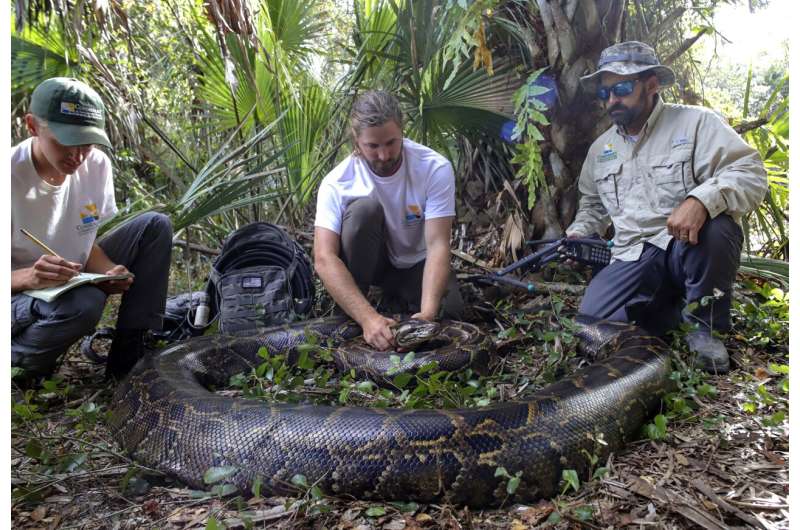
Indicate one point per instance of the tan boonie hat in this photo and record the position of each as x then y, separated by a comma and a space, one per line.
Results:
627, 58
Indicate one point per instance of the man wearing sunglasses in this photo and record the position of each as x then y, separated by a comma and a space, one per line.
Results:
674, 181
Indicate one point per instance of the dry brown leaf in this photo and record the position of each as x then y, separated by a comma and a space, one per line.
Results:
709, 505
513, 235
761, 373
39, 513
774, 458
55, 523
516, 524
350, 514
535, 514
151, 507
411, 523
624, 519
61, 499
62, 489
395, 524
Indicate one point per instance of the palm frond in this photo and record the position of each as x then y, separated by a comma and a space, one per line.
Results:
295, 27
769, 269
471, 98
228, 175
37, 55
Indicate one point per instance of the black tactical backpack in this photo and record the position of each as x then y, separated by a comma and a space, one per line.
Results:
262, 277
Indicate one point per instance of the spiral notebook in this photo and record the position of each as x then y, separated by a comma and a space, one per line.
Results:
49, 294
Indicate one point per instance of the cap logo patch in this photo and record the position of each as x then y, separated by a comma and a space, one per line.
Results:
82, 111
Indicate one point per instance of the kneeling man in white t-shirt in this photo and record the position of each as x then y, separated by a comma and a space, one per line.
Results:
384, 217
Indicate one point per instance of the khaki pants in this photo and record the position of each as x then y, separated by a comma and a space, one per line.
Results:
363, 250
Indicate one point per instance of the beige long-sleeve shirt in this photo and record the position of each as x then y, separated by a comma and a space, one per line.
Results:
682, 151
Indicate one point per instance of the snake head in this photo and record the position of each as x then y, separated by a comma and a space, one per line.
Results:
410, 333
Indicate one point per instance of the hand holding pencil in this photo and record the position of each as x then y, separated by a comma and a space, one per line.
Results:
50, 269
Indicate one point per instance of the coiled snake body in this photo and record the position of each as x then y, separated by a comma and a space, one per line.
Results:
166, 419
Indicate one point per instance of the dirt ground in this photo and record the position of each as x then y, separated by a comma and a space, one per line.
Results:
723, 465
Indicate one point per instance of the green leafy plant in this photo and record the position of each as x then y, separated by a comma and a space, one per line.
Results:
513, 480
689, 382
26, 409
770, 400
584, 513
529, 111
762, 320
657, 430
213, 524
217, 477
86, 416
593, 458
311, 501
469, 35
768, 224
375, 511
569, 479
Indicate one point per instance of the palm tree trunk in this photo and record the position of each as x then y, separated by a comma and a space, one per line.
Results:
576, 32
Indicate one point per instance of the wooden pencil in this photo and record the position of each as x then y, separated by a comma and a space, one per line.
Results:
40, 243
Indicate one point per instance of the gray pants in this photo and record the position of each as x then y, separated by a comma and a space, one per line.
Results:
363, 250
654, 290
42, 331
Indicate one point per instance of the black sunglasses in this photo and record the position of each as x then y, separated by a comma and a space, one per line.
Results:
621, 89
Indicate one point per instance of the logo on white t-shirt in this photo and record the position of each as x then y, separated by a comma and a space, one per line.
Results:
89, 218
413, 213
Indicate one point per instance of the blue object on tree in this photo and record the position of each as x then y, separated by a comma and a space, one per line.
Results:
507, 131
547, 98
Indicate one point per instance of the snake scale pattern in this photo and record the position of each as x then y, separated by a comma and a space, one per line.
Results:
167, 419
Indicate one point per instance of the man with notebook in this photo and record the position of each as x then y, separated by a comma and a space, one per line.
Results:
61, 190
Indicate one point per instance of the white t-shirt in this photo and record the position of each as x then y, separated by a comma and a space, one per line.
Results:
64, 217
423, 188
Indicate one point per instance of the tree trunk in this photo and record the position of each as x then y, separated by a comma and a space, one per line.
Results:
577, 31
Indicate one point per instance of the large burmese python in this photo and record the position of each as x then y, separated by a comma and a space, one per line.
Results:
166, 418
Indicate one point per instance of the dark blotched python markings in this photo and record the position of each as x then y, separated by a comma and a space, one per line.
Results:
166, 419
455, 345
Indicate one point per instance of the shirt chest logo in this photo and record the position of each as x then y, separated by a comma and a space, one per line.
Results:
89, 213
413, 213
608, 153
677, 142
89, 217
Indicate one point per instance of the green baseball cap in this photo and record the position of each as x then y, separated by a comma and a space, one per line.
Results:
73, 111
